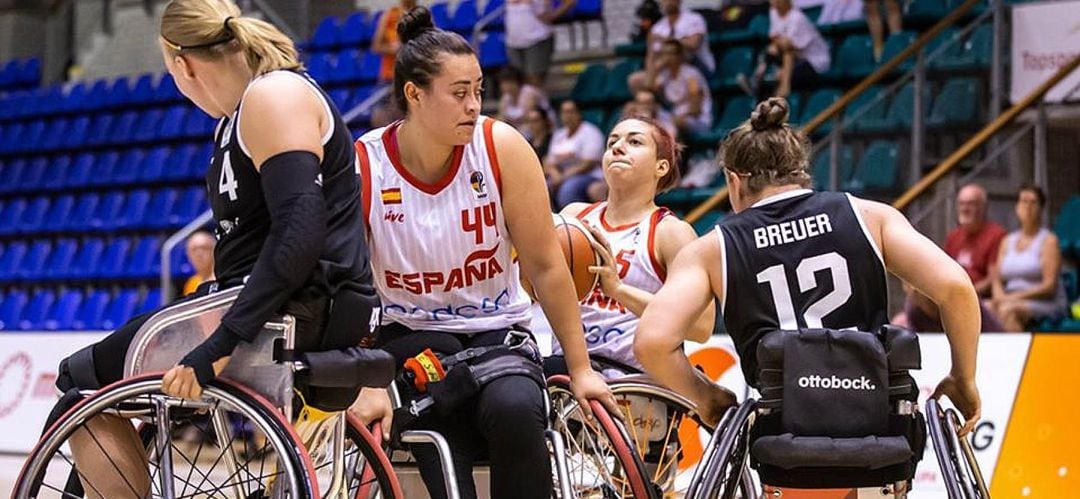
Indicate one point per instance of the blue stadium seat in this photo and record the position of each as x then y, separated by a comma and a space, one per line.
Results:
199, 124
370, 66
491, 6
878, 168
166, 90
10, 137
200, 162
11, 260
107, 211
440, 15
10, 174
92, 311
79, 174
493, 50
179, 262
119, 94
172, 123
134, 210
161, 206
77, 133
9, 218
29, 174
104, 164
321, 66
327, 34
140, 263
11, 309
152, 168
127, 167
96, 96
30, 72
122, 129
85, 206
31, 136
151, 302
146, 126
56, 218
143, 91
52, 99
465, 17
179, 162
33, 264
121, 309
73, 99
55, 134
587, 10
33, 217
99, 130
114, 259
60, 259
354, 29
62, 316
190, 204
9, 74
348, 67
340, 97
58, 167
33, 316
87, 259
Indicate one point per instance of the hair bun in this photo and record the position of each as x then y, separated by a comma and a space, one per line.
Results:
770, 113
414, 23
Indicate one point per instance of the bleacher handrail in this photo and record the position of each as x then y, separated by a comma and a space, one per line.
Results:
830, 112
167, 248
983, 135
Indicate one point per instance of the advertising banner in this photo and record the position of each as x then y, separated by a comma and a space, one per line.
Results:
1045, 36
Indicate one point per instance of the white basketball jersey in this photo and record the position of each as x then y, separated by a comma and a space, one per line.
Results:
610, 327
440, 253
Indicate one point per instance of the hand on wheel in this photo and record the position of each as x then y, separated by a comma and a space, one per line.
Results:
373, 405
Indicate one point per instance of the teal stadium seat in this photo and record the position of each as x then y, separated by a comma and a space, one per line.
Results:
733, 62
617, 90
895, 44
815, 104
900, 111
591, 86
596, 116
820, 169
877, 169
957, 104
854, 59
1067, 227
868, 111
706, 223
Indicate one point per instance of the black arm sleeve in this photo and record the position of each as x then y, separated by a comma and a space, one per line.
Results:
292, 186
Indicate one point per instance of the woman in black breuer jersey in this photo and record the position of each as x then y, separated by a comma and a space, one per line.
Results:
284, 191
791, 258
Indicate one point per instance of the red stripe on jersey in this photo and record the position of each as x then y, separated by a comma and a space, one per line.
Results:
657, 216
615, 229
389, 139
489, 143
588, 209
365, 179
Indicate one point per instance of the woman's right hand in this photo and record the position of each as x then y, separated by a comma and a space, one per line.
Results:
373, 405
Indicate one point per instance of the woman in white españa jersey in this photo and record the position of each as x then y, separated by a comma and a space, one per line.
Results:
766, 165
636, 241
446, 192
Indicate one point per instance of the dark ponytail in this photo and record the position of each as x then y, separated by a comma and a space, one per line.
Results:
422, 44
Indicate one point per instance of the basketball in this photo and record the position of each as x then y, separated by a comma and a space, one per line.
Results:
576, 244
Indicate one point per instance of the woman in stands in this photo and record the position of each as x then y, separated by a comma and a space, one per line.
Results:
834, 246
285, 196
447, 192
636, 240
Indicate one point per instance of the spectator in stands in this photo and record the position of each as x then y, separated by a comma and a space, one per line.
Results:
839, 11
537, 129
1026, 282
974, 242
530, 39
572, 161
385, 42
644, 104
648, 13
200, 252
517, 97
684, 88
684, 25
795, 45
873, 20
920, 314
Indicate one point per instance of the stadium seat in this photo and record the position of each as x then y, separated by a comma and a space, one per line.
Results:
119, 94
975, 52
91, 311
151, 302
590, 86
734, 61
54, 134
146, 126
85, 207
11, 309
188, 206
348, 67
200, 162
895, 44
160, 207
121, 309
957, 104
1067, 227
496, 23
107, 211
30, 175
104, 164
31, 137
172, 123
493, 50
617, 90
140, 262
854, 59
370, 66
926, 11
152, 168
56, 218
9, 75
143, 90
340, 97
99, 130
587, 10
166, 90
10, 173
179, 262
79, 174
33, 316
33, 264
87, 259
12, 214
440, 15
820, 168
127, 167
12, 131
877, 169
706, 223
123, 128
903, 103
465, 17
199, 125
29, 73
179, 163
11, 260
62, 315
133, 212
355, 31
95, 96
327, 34
321, 66
868, 111
114, 259
815, 104
60, 260
76, 134
55, 173
596, 116
33, 217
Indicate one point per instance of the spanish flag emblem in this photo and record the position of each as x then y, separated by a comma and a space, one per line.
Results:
391, 196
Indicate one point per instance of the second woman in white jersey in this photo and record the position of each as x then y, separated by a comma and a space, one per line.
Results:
446, 192
636, 241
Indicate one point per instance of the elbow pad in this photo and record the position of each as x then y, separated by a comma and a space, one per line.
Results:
292, 187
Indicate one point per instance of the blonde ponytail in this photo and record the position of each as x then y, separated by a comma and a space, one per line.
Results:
214, 28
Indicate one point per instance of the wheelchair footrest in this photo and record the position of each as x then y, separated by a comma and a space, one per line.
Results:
788, 451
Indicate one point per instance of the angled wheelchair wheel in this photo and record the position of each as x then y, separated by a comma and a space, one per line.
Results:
601, 462
959, 469
357, 468
723, 472
244, 447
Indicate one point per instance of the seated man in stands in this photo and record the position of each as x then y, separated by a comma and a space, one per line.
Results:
644, 104
683, 87
975, 240
683, 25
795, 45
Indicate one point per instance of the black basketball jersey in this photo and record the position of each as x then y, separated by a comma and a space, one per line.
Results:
243, 219
800, 259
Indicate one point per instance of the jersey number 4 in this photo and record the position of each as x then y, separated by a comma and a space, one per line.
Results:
776, 277
228, 183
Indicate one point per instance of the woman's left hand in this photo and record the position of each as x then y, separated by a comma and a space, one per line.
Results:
608, 270
590, 385
180, 381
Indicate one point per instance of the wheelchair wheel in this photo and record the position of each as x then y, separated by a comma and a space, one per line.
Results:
959, 469
250, 452
365, 470
601, 461
722, 472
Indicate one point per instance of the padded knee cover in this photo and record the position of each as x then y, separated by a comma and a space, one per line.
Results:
77, 371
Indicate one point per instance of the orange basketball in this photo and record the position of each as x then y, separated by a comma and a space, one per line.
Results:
575, 241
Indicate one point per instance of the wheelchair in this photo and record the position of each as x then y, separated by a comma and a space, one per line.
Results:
252, 442
795, 442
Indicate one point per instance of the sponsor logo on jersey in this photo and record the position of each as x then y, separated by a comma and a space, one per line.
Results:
394, 217
391, 196
487, 306
835, 383
478, 267
479, 185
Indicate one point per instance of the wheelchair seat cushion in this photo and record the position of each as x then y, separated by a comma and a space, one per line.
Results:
789, 452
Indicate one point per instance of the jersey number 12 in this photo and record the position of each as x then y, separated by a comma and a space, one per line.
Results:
776, 277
